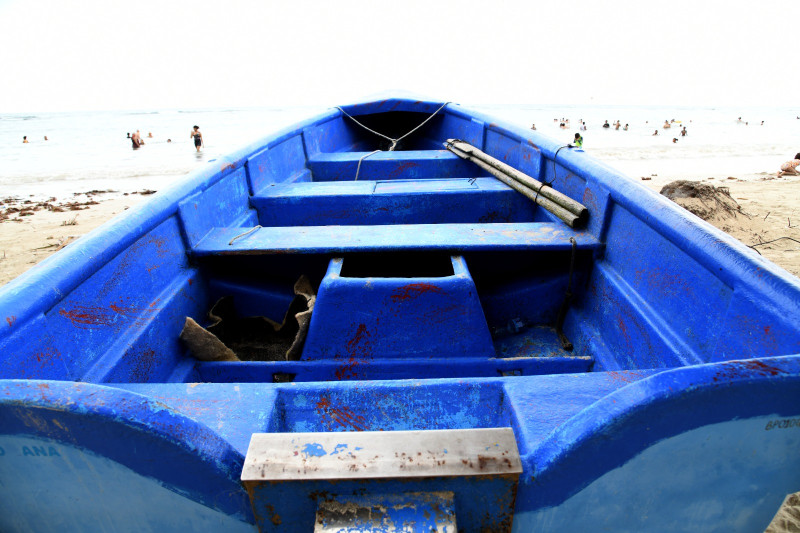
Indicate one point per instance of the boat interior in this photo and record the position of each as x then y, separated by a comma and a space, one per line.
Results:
422, 266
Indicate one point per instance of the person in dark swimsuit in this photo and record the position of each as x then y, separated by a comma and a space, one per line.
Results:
197, 136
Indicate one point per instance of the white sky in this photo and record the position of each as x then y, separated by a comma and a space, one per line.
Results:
143, 54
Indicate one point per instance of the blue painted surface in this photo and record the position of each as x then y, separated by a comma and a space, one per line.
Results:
691, 482
684, 340
76, 490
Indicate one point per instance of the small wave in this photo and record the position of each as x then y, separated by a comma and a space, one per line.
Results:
13, 118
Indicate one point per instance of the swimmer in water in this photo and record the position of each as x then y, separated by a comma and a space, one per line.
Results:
197, 136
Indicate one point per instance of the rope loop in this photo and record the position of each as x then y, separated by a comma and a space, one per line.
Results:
394, 142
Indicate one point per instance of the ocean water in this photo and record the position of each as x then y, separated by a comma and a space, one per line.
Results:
716, 145
89, 150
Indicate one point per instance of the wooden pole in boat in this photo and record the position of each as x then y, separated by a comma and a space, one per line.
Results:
538, 187
569, 218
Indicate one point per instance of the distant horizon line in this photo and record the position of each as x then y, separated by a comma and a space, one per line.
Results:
199, 109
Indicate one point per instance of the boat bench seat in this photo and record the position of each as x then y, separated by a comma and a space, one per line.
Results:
434, 201
544, 236
411, 164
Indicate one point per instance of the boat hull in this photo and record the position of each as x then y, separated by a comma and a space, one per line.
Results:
646, 364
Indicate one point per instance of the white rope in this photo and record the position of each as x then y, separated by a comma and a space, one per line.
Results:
245, 234
393, 141
363, 157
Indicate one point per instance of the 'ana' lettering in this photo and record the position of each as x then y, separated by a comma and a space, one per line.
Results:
40, 451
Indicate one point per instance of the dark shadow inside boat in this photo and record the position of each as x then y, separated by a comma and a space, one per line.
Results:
394, 124
409, 315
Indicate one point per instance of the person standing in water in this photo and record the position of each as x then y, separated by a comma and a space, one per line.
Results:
578, 142
197, 136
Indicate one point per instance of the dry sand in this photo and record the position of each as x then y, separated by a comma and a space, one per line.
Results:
32, 230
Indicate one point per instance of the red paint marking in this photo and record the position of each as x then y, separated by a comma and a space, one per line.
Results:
142, 364
229, 166
11, 319
346, 417
347, 371
413, 290
88, 316
324, 403
402, 168
744, 369
360, 345
343, 416
361, 334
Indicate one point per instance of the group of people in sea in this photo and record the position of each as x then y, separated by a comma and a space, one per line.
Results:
578, 141
26, 141
137, 141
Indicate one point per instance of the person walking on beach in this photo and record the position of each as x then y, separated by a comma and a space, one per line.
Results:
790, 167
197, 136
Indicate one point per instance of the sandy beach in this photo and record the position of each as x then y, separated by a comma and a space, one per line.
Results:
30, 231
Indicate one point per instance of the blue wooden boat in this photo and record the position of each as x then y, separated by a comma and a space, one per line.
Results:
451, 354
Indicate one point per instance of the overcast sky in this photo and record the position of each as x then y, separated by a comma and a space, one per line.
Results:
143, 54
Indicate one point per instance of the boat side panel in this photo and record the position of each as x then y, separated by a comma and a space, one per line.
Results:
752, 327
224, 204
731, 427
283, 162
54, 486
730, 476
457, 126
156, 351
111, 310
503, 147
334, 135
141, 434
651, 313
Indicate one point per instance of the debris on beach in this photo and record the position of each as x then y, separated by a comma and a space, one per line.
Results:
25, 208
705, 201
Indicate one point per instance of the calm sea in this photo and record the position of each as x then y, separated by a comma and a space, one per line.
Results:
89, 150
